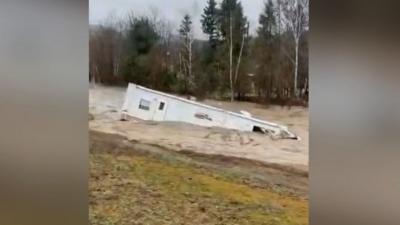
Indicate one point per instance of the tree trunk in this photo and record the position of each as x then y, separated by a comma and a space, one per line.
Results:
190, 59
230, 59
239, 59
94, 75
305, 88
296, 65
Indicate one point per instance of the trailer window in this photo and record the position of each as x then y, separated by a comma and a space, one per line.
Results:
144, 104
161, 106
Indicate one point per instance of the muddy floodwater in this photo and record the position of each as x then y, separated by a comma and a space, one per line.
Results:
105, 104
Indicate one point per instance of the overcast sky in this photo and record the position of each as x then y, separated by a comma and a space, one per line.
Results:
172, 10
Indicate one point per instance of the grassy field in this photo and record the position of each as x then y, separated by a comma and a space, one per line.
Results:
131, 183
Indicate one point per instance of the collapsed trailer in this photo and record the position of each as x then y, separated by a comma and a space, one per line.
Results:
148, 104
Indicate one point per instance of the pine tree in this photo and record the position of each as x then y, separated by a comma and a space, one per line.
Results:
141, 38
267, 21
209, 23
233, 27
231, 13
210, 78
266, 79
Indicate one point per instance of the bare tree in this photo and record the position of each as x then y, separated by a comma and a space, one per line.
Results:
186, 32
296, 20
234, 77
241, 52
106, 50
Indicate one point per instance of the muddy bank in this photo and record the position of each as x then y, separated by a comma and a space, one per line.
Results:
288, 177
136, 183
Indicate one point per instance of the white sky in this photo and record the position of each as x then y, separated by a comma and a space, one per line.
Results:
172, 10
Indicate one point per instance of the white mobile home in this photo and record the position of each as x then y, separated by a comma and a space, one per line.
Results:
148, 104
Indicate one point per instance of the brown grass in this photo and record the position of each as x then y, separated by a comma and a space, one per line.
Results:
135, 184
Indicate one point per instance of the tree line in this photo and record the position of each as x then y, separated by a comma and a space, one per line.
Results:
269, 66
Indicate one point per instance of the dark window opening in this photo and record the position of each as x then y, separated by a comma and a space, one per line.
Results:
258, 129
144, 104
161, 106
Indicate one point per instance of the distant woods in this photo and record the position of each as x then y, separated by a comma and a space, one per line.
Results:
269, 66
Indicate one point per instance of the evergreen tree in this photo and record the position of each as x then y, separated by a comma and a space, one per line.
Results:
209, 23
267, 21
231, 13
185, 29
233, 27
142, 35
208, 80
141, 38
266, 57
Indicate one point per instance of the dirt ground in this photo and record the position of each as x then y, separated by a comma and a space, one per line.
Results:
105, 104
133, 183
